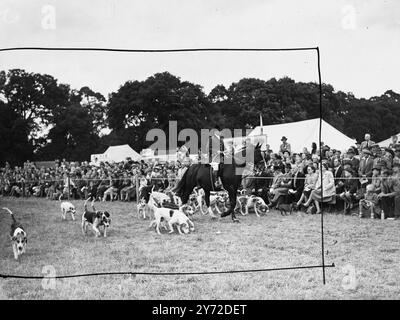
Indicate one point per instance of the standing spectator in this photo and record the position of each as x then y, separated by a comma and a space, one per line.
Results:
367, 143
313, 148
378, 161
388, 157
387, 194
396, 158
285, 146
355, 163
396, 187
366, 164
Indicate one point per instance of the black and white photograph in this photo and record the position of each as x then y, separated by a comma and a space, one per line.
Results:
203, 152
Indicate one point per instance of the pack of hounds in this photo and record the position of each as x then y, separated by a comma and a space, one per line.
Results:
166, 208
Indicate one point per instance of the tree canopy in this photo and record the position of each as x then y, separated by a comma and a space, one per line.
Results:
42, 119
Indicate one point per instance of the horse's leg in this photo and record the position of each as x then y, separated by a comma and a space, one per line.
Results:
232, 199
232, 203
207, 199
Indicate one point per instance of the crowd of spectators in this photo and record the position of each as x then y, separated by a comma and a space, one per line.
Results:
362, 180
106, 181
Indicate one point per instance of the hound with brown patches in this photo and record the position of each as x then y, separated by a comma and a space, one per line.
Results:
18, 236
96, 219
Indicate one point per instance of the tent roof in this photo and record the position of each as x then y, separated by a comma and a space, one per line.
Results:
302, 134
120, 153
385, 143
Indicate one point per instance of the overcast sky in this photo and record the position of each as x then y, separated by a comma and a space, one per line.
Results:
359, 41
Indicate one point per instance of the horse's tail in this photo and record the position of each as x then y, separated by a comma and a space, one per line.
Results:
181, 186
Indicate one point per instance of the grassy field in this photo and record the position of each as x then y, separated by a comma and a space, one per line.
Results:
365, 251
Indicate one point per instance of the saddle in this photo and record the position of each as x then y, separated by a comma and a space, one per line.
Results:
169, 205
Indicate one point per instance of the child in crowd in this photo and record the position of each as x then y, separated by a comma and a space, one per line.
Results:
369, 205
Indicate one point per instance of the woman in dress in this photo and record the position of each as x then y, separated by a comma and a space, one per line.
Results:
309, 185
327, 191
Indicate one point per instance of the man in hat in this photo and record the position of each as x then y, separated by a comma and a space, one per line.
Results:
354, 161
366, 164
285, 146
367, 143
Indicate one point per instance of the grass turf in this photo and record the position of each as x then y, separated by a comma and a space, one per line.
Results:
369, 248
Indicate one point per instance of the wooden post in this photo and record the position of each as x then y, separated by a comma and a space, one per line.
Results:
137, 187
69, 186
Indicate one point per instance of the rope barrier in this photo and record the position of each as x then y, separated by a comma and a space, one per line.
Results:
176, 178
8, 276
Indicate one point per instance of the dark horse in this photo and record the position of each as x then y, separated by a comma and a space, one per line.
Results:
230, 172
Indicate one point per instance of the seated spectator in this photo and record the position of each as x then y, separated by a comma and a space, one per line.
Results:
125, 187
368, 206
280, 184
350, 186
262, 182
104, 184
327, 194
309, 185
297, 183
376, 179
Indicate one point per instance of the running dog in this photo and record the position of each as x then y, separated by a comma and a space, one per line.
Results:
216, 199
255, 202
141, 208
67, 207
18, 236
96, 219
173, 217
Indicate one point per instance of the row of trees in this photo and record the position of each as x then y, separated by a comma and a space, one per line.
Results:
42, 119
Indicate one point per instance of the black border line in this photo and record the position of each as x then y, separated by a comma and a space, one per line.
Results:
323, 266
5, 276
320, 163
154, 50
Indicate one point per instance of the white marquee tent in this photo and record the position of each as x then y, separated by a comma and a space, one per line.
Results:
116, 154
385, 143
302, 134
